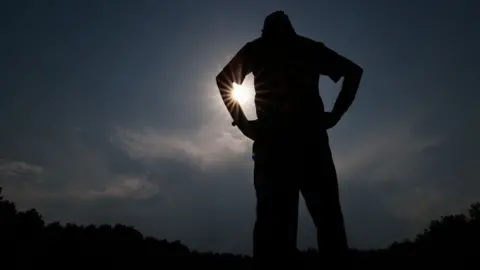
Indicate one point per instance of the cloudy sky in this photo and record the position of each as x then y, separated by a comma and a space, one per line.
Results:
109, 113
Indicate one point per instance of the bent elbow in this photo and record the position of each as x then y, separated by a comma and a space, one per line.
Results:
222, 87
354, 73
357, 71
218, 79
221, 81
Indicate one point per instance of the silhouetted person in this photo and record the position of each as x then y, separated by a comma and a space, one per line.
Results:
291, 147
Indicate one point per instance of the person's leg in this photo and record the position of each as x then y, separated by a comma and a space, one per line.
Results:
275, 231
321, 193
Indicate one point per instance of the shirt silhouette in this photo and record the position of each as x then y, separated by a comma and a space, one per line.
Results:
291, 148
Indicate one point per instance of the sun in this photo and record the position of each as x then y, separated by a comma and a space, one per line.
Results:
240, 93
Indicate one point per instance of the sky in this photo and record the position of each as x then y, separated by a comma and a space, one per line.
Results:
109, 113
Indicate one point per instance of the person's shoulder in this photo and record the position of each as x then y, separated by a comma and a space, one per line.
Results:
254, 43
252, 47
249, 45
309, 42
305, 39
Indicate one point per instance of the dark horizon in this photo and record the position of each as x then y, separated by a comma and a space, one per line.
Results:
451, 240
109, 113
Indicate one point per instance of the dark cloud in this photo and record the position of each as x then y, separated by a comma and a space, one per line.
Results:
19, 171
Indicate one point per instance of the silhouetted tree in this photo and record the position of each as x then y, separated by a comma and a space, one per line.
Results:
27, 242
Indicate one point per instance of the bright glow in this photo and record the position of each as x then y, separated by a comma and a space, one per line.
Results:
240, 93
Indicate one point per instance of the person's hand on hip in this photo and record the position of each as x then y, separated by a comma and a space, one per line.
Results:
248, 128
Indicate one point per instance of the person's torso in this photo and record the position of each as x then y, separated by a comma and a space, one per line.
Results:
286, 77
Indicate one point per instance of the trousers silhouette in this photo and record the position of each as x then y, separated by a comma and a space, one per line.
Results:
285, 166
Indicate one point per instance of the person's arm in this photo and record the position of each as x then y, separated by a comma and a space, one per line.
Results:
235, 72
336, 66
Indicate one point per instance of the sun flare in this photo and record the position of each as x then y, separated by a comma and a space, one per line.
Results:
240, 93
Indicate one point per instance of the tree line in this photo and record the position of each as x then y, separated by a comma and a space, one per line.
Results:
26, 241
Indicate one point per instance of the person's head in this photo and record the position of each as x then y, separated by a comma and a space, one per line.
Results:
277, 24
